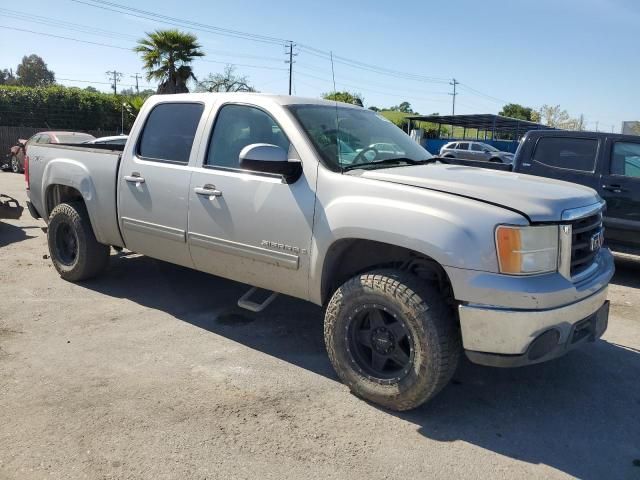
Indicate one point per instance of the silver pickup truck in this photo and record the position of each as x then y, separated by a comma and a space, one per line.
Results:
414, 260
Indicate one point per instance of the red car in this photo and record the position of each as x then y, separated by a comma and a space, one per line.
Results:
18, 151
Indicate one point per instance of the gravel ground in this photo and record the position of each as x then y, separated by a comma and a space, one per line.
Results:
152, 372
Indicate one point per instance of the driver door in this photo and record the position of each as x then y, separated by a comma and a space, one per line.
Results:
248, 226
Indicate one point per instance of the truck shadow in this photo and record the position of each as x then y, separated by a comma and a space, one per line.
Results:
12, 234
627, 271
579, 414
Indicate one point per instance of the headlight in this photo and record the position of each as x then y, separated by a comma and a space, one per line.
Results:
527, 250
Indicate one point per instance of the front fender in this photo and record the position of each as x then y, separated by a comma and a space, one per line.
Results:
452, 230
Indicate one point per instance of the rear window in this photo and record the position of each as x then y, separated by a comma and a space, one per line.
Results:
568, 153
169, 132
77, 138
463, 146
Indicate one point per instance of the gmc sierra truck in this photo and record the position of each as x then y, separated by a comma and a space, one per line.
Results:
415, 261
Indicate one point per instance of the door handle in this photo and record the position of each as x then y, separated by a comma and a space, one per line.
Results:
614, 188
208, 191
134, 178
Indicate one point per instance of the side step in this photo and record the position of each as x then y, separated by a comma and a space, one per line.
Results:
246, 302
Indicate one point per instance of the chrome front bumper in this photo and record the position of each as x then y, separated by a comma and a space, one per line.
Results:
500, 337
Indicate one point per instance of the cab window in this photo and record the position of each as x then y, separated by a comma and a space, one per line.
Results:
238, 126
568, 153
169, 132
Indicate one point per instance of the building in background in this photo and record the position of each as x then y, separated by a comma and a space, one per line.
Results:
631, 128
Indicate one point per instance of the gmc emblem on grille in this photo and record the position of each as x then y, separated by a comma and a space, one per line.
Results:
597, 239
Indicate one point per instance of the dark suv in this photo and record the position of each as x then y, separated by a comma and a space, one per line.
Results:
609, 163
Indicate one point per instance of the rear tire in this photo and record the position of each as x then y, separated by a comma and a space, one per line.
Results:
411, 310
495, 160
73, 247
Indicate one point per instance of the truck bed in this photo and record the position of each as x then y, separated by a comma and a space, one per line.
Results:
89, 169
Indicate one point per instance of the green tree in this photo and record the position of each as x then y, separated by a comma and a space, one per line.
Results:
167, 57
515, 110
404, 107
345, 97
373, 108
227, 81
7, 77
554, 116
33, 72
91, 89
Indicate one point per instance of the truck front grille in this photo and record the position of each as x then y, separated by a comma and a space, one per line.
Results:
583, 248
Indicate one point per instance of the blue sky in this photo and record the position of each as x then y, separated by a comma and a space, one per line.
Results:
581, 54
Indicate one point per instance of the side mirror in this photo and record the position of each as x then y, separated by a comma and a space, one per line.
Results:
267, 158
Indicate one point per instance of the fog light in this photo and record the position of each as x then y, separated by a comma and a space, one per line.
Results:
544, 344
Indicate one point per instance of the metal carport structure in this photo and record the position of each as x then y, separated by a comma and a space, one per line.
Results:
497, 126
501, 132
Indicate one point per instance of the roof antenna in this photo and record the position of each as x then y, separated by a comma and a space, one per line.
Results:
335, 99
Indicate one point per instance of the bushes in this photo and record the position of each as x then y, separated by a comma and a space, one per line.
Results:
58, 107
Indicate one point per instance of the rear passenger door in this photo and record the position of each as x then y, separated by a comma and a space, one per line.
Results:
572, 159
621, 190
154, 182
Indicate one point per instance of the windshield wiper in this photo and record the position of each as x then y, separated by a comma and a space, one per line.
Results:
386, 161
395, 161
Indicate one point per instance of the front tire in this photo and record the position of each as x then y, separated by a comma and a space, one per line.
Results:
391, 338
73, 247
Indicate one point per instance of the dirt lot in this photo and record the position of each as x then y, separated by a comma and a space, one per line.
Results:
152, 372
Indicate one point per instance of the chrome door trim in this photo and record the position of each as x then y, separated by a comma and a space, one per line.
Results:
163, 231
280, 259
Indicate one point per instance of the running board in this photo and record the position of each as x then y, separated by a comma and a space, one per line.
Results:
246, 303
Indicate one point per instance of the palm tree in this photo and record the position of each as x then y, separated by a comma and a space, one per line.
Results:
167, 55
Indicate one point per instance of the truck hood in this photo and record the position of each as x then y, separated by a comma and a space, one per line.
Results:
538, 198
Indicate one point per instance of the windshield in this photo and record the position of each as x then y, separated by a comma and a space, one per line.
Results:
352, 137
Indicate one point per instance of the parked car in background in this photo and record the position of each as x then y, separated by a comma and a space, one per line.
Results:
475, 151
14, 151
18, 151
113, 140
414, 260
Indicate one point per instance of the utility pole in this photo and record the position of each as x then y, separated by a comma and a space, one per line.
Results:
114, 77
137, 76
289, 51
597, 123
454, 83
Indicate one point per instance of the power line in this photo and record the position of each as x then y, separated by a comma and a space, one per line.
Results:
244, 65
62, 37
135, 12
92, 82
115, 7
63, 24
